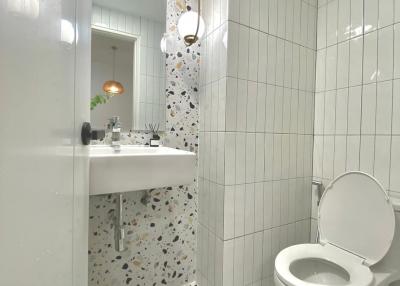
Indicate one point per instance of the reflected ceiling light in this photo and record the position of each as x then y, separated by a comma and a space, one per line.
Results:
28, 8
113, 87
191, 26
225, 40
67, 32
163, 44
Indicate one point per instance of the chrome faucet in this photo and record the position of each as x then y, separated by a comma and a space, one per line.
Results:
114, 125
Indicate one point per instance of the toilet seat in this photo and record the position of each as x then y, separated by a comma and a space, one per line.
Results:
359, 274
356, 223
356, 215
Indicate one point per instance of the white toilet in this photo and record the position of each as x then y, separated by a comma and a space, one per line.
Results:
359, 240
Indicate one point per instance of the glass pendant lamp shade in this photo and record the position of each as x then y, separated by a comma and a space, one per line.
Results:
114, 87
187, 27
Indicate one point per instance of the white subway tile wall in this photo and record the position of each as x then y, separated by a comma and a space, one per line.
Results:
149, 104
256, 135
357, 104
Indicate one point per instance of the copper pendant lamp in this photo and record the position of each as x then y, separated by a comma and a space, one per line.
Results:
113, 87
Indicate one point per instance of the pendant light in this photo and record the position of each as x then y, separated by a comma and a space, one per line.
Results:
113, 87
191, 26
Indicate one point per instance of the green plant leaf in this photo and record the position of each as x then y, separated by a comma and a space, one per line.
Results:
99, 99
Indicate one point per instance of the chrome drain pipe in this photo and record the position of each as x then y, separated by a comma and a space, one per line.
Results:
119, 229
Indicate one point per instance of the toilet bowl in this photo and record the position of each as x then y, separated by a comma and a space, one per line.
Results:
311, 264
356, 222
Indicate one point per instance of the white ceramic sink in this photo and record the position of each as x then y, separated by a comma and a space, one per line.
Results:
136, 168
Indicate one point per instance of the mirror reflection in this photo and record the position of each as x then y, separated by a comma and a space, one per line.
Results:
128, 65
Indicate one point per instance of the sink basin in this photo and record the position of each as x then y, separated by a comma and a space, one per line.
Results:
135, 168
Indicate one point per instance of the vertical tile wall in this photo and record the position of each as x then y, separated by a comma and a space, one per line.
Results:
256, 136
149, 103
357, 102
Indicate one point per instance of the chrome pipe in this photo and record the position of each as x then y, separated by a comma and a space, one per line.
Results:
119, 230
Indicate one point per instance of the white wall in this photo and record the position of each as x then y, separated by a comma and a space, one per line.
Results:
357, 106
43, 202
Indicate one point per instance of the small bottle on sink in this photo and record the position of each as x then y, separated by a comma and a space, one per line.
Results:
155, 140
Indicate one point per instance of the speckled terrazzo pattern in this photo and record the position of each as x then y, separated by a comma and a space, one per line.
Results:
182, 66
158, 239
160, 236
130, 138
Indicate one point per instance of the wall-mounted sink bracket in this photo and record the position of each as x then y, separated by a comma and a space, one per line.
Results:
146, 198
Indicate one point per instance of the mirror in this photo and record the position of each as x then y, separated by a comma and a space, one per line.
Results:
128, 66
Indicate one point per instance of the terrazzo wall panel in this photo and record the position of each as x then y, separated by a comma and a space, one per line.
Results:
256, 136
161, 236
357, 104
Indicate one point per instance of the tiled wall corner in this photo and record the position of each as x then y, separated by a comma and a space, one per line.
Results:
357, 90
357, 104
256, 136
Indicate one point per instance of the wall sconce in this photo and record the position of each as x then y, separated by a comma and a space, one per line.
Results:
191, 26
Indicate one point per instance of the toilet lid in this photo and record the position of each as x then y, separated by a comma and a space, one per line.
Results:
356, 215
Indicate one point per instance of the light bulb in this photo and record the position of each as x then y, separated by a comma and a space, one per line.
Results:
163, 44
67, 32
187, 25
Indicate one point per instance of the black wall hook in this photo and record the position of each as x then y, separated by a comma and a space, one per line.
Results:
86, 133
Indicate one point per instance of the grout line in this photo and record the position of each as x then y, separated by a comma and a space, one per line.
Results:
336, 83
282, 116
273, 35
245, 148
324, 93
356, 36
304, 219
391, 121
256, 81
376, 88
347, 99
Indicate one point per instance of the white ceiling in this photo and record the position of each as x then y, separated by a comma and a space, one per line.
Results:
152, 9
